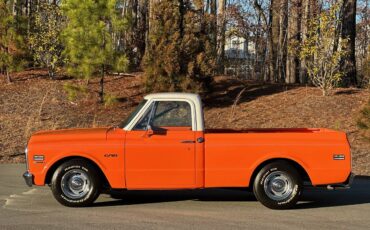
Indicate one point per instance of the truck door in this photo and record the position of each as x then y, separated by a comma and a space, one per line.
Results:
160, 150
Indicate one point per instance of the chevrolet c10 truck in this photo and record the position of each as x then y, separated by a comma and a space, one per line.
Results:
163, 145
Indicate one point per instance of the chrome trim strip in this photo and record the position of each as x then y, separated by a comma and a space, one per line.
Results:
187, 141
26, 154
339, 157
346, 185
38, 157
143, 110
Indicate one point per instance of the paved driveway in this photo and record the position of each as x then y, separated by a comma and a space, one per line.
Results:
35, 208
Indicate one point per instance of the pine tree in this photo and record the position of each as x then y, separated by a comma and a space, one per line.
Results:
11, 41
198, 48
180, 54
88, 39
161, 61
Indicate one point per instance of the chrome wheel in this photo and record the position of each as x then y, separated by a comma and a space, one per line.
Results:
75, 184
278, 186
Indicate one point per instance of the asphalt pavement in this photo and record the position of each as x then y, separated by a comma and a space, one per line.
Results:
22, 207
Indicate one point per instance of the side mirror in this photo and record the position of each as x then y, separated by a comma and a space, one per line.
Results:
149, 131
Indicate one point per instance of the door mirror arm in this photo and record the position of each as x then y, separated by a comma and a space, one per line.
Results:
149, 131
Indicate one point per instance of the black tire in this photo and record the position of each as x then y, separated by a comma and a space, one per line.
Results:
78, 173
117, 194
285, 192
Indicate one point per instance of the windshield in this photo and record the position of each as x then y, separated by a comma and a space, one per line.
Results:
133, 114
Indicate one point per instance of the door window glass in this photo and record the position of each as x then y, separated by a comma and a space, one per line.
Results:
171, 114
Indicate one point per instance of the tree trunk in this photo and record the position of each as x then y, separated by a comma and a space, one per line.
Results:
282, 48
349, 32
213, 24
182, 15
221, 29
274, 36
268, 45
293, 42
304, 29
150, 19
101, 93
256, 66
51, 72
8, 78
134, 40
14, 8
142, 27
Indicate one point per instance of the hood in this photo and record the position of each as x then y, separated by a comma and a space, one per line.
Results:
70, 134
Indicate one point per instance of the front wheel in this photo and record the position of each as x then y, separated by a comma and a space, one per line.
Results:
76, 183
278, 185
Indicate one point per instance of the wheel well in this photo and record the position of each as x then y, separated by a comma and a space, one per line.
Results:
54, 167
302, 172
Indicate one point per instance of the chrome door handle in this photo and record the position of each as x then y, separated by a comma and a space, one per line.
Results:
200, 140
187, 142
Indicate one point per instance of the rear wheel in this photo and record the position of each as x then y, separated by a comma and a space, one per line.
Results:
278, 185
76, 183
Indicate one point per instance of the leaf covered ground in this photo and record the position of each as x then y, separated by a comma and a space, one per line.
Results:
33, 102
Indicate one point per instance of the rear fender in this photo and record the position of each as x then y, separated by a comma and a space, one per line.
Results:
258, 165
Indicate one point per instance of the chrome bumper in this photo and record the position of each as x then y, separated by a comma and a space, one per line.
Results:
28, 177
346, 185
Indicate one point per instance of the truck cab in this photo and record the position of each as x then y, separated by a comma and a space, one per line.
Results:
164, 143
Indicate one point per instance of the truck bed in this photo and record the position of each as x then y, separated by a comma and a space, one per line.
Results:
232, 155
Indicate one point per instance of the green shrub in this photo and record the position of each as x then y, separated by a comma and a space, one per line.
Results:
110, 100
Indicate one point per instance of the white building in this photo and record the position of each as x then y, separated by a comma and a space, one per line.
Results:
239, 48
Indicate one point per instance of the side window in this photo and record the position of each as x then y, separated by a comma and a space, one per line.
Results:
171, 114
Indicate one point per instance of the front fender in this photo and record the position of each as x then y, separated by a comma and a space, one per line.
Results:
114, 175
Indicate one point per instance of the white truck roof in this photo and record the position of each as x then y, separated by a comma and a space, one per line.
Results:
189, 96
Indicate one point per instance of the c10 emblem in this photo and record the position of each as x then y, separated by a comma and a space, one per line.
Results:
111, 155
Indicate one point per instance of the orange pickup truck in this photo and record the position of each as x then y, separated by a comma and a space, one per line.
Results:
163, 145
